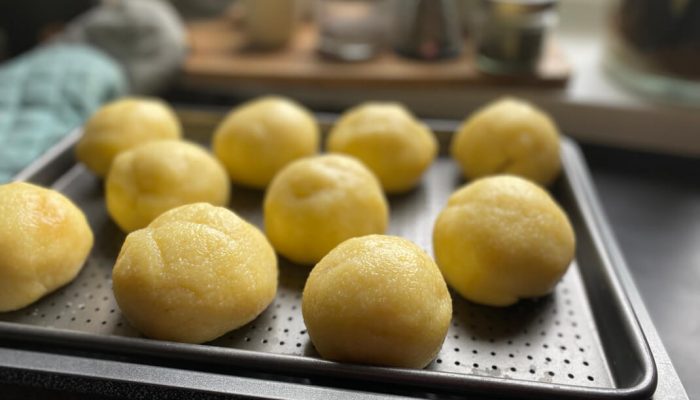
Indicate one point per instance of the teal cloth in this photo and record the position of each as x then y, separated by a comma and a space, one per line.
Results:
48, 92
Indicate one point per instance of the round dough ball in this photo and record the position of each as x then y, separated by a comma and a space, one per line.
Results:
502, 238
377, 300
259, 138
388, 140
122, 125
146, 181
316, 203
508, 136
44, 242
195, 273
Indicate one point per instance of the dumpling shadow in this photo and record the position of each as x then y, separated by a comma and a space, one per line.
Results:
495, 323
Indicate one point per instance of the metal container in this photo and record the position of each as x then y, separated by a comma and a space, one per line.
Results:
427, 29
581, 342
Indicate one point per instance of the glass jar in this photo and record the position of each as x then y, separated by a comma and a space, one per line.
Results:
653, 47
511, 34
351, 30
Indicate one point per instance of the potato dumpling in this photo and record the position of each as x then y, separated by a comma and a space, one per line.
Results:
377, 300
122, 125
315, 203
146, 181
259, 138
195, 273
508, 136
44, 241
501, 239
388, 140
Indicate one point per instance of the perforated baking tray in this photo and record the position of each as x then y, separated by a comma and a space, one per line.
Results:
583, 341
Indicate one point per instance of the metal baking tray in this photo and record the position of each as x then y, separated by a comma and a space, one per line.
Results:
581, 342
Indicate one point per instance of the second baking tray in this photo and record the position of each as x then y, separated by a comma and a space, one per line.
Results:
581, 342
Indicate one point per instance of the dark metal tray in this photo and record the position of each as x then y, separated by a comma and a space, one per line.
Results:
582, 342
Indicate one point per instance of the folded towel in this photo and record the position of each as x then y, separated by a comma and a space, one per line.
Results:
46, 93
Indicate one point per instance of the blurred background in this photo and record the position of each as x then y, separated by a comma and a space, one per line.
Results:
622, 77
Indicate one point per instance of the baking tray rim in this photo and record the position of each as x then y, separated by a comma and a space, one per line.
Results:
573, 164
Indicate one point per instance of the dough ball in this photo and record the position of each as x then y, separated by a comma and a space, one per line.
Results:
122, 125
316, 203
508, 136
146, 181
388, 140
44, 242
501, 239
259, 138
195, 273
377, 300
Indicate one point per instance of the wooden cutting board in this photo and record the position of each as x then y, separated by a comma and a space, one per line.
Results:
218, 57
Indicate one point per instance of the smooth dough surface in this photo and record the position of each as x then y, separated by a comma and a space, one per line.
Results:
377, 300
146, 181
316, 203
390, 141
44, 242
502, 238
508, 136
122, 125
259, 138
195, 273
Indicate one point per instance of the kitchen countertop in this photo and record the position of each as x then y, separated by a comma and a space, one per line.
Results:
653, 205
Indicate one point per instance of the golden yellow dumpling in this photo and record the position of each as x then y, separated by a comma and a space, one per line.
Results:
501, 239
44, 242
508, 136
195, 273
146, 181
259, 138
389, 140
377, 300
122, 125
316, 203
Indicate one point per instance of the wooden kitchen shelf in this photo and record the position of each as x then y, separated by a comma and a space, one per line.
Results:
218, 57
